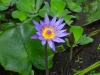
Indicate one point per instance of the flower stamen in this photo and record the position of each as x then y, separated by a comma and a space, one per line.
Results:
48, 33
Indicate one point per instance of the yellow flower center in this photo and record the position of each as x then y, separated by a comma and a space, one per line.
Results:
48, 33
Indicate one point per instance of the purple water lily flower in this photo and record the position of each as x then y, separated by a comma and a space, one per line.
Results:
50, 31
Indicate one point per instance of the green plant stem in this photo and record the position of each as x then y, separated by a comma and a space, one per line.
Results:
71, 52
66, 66
46, 59
70, 58
88, 69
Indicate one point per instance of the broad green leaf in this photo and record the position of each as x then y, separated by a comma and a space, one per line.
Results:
38, 4
25, 5
35, 50
81, 1
58, 4
4, 4
45, 9
68, 19
53, 10
68, 1
13, 2
77, 32
33, 2
74, 7
5, 26
32, 72
42, 12
19, 15
3, 16
1, 32
86, 40
63, 13
13, 47
37, 55
3, 7
5, 1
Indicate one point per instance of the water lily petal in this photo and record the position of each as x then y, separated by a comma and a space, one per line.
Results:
61, 26
38, 33
62, 19
61, 31
36, 23
63, 34
37, 28
54, 49
35, 36
46, 19
43, 42
41, 38
59, 40
51, 44
57, 23
53, 21
41, 23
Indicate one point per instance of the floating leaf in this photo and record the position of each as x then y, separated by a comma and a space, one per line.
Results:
13, 54
20, 49
37, 55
